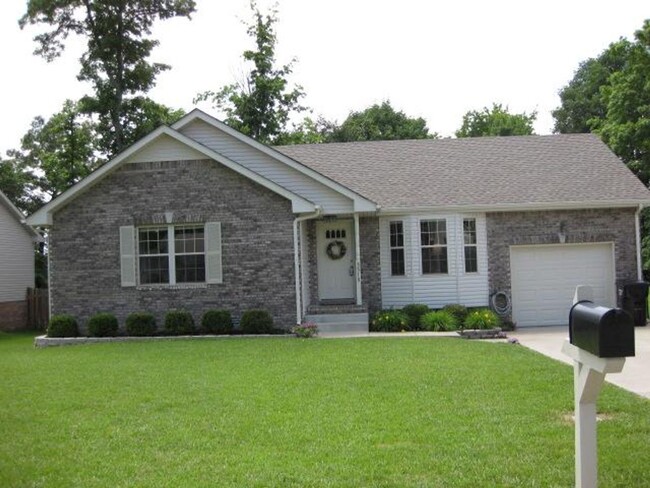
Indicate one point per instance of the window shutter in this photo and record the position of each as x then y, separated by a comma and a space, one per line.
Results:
127, 255
213, 273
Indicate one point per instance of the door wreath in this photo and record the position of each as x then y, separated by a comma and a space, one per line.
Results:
336, 250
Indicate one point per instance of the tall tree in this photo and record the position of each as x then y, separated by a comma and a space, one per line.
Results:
115, 61
261, 104
497, 121
61, 150
583, 106
18, 184
380, 123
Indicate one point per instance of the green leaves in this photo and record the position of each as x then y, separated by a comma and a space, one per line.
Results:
497, 121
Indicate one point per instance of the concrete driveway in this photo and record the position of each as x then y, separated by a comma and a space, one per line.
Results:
635, 376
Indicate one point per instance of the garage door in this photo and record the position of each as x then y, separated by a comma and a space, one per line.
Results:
544, 279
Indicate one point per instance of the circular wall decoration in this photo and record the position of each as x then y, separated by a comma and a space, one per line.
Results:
336, 250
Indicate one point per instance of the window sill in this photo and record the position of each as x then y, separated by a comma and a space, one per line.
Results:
182, 286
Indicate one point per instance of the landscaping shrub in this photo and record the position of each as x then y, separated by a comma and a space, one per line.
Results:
256, 322
414, 312
179, 322
508, 325
459, 311
102, 325
62, 326
306, 330
483, 318
389, 321
217, 322
140, 324
439, 320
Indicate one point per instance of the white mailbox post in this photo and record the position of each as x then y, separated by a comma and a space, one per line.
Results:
588, 376
601, 338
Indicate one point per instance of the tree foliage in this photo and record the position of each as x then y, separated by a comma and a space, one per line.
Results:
497, 121
18, 184
583, 105
115, 60
61, 150
379, 123
261, 104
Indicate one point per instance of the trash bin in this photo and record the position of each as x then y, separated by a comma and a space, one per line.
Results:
634, 300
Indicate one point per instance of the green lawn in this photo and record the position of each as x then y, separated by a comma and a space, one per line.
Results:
288, 412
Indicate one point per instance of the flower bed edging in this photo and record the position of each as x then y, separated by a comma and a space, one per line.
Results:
44, 341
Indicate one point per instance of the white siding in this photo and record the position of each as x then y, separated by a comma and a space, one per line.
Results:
276, 171
165, 148
16, 258
435, 290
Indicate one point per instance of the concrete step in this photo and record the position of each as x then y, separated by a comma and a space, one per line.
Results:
340, 322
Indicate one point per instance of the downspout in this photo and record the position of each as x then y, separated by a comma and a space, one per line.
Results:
637, 228
296, 258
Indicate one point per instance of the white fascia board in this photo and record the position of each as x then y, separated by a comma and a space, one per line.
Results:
361, 204
43, 217
19, 217
518, 207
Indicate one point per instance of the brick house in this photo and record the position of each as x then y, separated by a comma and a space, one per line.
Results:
199, 216
16, 265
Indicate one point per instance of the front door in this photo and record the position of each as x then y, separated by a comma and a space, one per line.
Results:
335, 255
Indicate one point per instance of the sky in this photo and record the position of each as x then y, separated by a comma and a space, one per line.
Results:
432, 59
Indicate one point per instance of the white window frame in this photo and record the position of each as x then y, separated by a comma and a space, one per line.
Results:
171, 253
391, 248
433, 246
465, 245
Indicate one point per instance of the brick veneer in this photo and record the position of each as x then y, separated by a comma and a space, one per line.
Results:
13, 315
257, 242
505, 229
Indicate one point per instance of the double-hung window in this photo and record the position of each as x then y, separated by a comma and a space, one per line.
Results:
433, 241
470, 246
171, 254
397, 263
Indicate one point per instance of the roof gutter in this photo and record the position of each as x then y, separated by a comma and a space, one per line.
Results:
296, 258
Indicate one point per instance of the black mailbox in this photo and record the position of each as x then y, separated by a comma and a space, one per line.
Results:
604, 332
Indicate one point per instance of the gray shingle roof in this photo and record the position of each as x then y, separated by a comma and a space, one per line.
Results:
485, 171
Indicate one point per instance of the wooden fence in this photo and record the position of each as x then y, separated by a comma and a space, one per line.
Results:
37, 308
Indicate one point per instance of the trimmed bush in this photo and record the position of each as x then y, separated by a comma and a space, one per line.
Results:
439, 321
256, 322
459, 311
62, 326
217, 322
179, 322
102, 325
414, 312
140, 324
483, 318
389, 321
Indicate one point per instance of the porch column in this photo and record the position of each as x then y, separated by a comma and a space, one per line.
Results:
357, 257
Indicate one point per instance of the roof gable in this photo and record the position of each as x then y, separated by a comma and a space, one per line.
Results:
43, 216
18, 215
360, 202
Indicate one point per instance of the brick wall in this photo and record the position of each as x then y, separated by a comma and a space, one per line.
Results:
13, 315
505, 229
257, 242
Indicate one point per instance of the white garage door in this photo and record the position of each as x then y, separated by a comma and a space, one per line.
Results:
544, 279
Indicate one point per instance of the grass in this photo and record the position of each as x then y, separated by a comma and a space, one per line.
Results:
289, 412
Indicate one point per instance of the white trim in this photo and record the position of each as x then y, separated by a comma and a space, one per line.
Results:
357, 257
296, 259
44, 215
637, 230
361, 204
514, 207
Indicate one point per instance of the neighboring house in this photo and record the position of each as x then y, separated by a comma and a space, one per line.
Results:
199, 216
16, 265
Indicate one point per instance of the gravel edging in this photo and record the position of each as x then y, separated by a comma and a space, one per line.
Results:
45, 341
